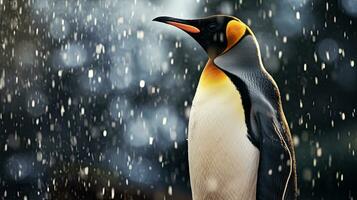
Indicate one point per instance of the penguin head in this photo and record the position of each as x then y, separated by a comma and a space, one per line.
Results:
216, 34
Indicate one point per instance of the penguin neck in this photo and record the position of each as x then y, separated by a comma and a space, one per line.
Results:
242, 58
212, 76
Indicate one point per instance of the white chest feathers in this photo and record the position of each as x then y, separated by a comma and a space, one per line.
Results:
223, 162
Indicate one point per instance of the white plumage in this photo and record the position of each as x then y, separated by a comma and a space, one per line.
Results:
223, 162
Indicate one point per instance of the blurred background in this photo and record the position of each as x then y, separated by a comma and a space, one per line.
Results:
95, 97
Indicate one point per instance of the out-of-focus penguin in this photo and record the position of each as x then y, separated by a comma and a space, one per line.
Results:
239, 142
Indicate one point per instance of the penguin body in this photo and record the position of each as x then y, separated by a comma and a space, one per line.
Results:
217, 145
239, 143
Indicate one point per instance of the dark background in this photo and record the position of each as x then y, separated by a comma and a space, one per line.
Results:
95, 97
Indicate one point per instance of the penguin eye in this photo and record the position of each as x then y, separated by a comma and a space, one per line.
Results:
212, 26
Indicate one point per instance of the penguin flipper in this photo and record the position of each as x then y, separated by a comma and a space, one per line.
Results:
275, 178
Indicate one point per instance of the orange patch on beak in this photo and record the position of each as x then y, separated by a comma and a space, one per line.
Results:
185, 27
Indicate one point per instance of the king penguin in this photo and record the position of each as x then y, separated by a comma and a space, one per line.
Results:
239, 142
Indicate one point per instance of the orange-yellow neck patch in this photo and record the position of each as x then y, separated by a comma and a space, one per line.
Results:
234, 32
212, 75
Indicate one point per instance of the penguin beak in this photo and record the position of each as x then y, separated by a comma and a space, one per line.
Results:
198, 30
185, 25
